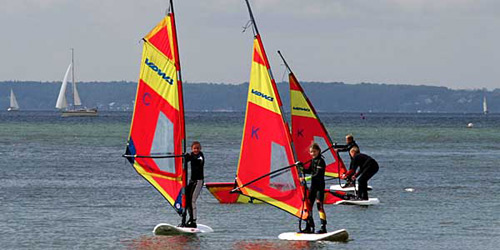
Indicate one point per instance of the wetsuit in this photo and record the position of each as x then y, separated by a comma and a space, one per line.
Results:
367, 168
317, 190
195, 183
347, 147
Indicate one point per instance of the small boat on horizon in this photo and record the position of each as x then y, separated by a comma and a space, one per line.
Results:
485, 106
14, 106
62, 104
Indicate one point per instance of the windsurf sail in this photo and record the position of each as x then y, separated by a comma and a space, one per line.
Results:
157, 141
266, 145
308, 128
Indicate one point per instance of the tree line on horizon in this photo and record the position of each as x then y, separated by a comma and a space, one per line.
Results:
326, 97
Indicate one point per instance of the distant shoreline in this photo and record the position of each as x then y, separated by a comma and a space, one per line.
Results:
326, 97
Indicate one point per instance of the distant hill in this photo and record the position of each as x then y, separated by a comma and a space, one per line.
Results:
326, 97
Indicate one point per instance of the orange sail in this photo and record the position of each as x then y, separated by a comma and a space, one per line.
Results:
157, 135
308, 128
266, 145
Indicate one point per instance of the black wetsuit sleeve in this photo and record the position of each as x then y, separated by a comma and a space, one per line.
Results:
341, 148
346, 148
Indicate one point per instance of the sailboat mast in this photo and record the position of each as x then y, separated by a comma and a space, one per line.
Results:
181, 105
178, 67
73, 73
251, 18
284, 61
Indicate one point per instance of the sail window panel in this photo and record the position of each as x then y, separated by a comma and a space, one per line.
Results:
328, 156
163, 143
283, 181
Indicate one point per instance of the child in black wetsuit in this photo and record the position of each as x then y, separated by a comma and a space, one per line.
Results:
317, 191
196, 182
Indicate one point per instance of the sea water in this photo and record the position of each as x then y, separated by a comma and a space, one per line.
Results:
64, 185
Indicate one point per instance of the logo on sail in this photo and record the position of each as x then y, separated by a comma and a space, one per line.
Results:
160, 73
301, 109
260, 94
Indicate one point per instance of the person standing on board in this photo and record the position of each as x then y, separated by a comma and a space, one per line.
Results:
317, 191
350, 143
368, 167
196, 182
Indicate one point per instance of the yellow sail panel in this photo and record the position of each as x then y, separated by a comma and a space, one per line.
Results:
160, 73
260, 90
300, 107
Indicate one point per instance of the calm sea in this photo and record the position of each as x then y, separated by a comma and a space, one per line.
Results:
64, 185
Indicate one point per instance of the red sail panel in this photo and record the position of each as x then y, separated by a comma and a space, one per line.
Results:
307, 128
157, 127
266, 143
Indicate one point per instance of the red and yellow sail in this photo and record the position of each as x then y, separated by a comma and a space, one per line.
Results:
157, 128
307, 128
266, 143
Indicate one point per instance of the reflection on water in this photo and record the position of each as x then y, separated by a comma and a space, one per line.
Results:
175, 242
279, 244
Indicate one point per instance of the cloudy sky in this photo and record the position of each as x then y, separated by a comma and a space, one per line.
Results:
452, 43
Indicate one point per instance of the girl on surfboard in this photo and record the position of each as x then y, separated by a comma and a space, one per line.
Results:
196, 181
317, 191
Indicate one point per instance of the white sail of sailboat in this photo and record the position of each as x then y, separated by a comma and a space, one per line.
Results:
14, 106
62, 102
61, 99
485, 106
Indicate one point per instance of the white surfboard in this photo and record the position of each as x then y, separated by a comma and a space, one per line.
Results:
167, 229
370, 201
339, 235
337, 187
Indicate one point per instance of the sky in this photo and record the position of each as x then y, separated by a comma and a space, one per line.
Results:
451, 43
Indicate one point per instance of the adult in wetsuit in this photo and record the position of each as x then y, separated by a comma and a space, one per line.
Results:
317, 191
367, 168
196, 181
350, 143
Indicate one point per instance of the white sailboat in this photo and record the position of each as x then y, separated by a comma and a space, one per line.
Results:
76, 109
485, 106
14, 106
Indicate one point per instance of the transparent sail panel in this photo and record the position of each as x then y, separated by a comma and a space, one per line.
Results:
163, 143
329, 159
282, 181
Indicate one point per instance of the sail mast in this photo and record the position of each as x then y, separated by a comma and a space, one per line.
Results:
73, 74
179, 75
181, 107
